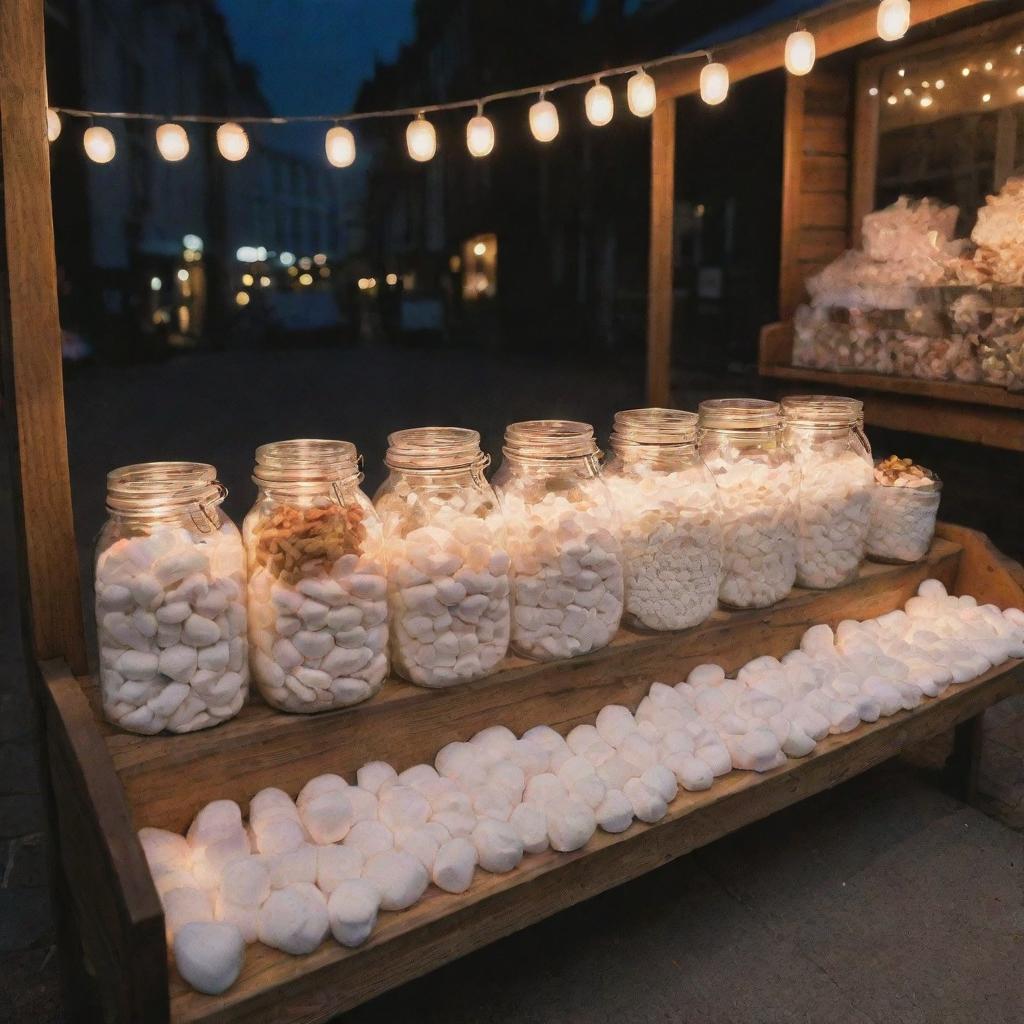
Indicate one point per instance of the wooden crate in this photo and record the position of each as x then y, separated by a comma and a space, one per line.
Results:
109, 783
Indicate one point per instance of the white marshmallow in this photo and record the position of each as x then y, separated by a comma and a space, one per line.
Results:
294, 919
398, 877
352, 911
209, 955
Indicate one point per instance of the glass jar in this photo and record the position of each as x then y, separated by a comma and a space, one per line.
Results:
671, 536
740, 441
904, 505
447, 558
170, 600
566, 558
832, 453
317, 590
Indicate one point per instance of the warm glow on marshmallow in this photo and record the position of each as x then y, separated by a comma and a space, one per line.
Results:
99, 144
893, 19
799, 52
340, 145
714, 83
599, 104
544, 120
172, 142
480, 135
232, 141
421, 139
641, 95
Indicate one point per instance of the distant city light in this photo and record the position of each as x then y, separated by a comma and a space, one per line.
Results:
247, 280
247, 254
320, 259
988, 65
155, 283
264, 281
873, 91
986, 97
965, 72
926, 101
306, 279
305, 263
193, 242
940, 83
479, 249
392, 279
287, 258
183, 275
261, 253
242, 298
892, 101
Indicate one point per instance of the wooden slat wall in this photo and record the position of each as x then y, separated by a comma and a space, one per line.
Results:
816, 175
659, 285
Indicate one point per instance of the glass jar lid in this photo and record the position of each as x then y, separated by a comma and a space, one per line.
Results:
656, 427
738, 414
434, 448
305, 461
162, 488
550, 439
822, 410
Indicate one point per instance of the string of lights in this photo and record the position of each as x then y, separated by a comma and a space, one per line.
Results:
172, 140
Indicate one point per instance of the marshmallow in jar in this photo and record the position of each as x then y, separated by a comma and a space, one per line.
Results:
317, 592
170, 601
833, 455
740, 441
904, 504
668, 517
447, 558
563, 536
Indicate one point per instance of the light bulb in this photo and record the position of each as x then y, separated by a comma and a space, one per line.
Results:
172, 142
480, 135
641, 95
544, 120
714, 83
232, 141
340, 145
99, 144
893, 19
53, 125
421, 139
926, 101
799, 52
599, 104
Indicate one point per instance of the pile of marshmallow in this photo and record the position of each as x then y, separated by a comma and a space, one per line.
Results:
329, 861
568, 575
833, 518
449, 587
671, 543
759, 528
170, 611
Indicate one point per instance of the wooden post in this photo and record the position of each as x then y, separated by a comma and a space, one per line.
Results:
790, 276
865, 148
659, 282
33, 393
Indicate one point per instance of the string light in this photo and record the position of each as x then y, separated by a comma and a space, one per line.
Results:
421, 139
893, 19
99, 144
599, 104
965, 72
799, 52
232, 141
714, 83
940, 83
543, 120
988, 65
892, 101
926, 101
986, 97
873, 91
641, 94
340, 145
53, 124
479, 134
172, 141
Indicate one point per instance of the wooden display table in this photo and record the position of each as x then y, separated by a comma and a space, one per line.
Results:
109, 783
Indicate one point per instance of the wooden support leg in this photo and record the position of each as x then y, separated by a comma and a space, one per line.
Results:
962, 764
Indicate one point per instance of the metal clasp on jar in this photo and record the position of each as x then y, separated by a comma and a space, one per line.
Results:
204, 513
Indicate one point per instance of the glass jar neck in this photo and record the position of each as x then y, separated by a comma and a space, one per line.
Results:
552, 444
306, 468
436, 454
659, 437
824, 418
742, 422
149, 493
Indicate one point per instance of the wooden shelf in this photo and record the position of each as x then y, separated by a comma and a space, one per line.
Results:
108, 784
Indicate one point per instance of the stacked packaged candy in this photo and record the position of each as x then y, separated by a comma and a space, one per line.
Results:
904, 505
317, 591
328, 862
447, 558
170, 601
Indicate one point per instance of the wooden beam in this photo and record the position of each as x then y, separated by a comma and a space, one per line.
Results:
791, 284
837, 27
30, 338
865, 146
659, 283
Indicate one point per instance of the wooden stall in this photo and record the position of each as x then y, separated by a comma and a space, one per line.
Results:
105, 784
829, 151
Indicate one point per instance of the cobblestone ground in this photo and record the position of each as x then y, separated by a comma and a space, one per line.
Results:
217, 408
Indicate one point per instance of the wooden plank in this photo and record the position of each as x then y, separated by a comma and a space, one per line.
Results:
791, 285
825, 174
865, 146
775, 346
839, 26
825, 135
659, 282
116, 905
30, 338
443, 927
818, 244
824, 210
168, 778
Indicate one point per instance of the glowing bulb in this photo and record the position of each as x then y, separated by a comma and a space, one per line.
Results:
714, 83
340, 145
641, 94
986, 97
988, 65
908, 91
480, 135
926, 101
172, 142
1020, 91
940, 83
242, 298
287, 258
799, 52
544, 120
902, 72
264, 281
965, 72
183, 275
599, 104
421, 139
305, 279
873, 91
247, 280
893, 19
892, 101
371, 282
99, 144
479, 249
392, 279
52, 124
232, 141
155, 283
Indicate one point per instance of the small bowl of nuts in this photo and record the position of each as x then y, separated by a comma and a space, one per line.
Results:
904, 505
